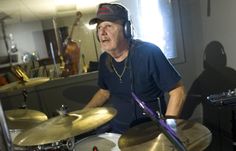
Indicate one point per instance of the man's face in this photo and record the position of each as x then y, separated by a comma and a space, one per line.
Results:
111, 36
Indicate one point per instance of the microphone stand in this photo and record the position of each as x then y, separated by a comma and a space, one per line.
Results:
167, 131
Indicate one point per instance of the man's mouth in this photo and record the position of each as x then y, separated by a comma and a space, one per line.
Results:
105, 40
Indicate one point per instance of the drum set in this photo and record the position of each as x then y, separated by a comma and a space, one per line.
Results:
58, 133
30, 130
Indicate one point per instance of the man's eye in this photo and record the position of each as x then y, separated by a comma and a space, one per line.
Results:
109, 26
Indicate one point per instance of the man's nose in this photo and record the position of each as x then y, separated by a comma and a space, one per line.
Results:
103, 31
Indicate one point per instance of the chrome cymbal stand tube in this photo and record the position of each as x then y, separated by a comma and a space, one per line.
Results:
5, 130
165, 129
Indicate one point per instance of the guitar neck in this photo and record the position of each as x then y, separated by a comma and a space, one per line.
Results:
78, 16
83, 58
71, 32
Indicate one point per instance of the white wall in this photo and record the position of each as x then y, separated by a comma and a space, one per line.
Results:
199, 29
193, 41
29, 38
221, 25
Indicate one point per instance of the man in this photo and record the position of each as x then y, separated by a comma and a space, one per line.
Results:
129, 65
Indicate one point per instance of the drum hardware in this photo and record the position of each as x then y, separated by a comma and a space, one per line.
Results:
63, 110
62, 145
224, 98
165, 129
65, 126
147, 136
70, 143
25, 95
227, 98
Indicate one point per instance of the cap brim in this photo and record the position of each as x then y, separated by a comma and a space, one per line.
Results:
93, 21
103, 18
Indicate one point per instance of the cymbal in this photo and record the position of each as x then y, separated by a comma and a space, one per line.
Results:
23, 84
147, 136
24, 118
65, 126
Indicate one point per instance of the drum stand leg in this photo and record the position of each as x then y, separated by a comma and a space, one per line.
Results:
234, 128
5, 130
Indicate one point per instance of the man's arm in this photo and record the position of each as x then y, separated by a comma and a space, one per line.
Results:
176, 101
98, 99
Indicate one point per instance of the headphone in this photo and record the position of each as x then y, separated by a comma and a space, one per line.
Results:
214, 55
127, 29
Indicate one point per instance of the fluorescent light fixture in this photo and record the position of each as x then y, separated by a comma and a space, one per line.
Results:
91, 27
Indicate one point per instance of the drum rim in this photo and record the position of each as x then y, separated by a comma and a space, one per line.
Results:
97, 135
90, 136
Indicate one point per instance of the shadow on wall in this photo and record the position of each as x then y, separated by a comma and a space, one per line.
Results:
214, 79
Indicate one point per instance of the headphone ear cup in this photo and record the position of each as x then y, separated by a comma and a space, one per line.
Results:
127, 30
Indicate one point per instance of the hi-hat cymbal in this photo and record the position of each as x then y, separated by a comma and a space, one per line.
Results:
65, 126
24, 118
23, 84
147, 136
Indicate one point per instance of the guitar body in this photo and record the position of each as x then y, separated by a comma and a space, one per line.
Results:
72, 58
71, 52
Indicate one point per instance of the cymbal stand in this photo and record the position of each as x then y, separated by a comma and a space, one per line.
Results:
63, 110
25, 95
167, 131
5, 130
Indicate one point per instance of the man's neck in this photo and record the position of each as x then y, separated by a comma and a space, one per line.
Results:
122, 52
120, 56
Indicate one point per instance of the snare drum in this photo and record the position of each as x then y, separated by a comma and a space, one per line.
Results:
103, 142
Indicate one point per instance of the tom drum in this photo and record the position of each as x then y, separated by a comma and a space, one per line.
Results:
103, 142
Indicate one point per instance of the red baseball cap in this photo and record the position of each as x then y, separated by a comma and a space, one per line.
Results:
110, 12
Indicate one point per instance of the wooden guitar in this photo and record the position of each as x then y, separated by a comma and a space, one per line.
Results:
71, 52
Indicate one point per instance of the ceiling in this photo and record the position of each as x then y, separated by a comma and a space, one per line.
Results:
13, 11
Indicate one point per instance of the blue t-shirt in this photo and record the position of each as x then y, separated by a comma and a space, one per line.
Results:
149, 75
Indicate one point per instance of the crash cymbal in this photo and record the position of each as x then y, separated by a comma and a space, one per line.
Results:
23, 84
35, 81
147, 136
24, 118
9, 87
65, 126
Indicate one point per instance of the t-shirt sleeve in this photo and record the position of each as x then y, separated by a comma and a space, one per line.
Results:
163, 72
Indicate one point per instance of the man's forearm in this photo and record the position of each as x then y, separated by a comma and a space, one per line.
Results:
98, 99
176, 101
